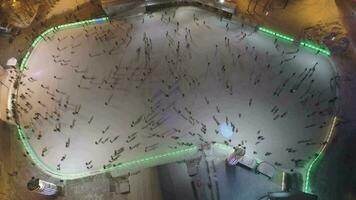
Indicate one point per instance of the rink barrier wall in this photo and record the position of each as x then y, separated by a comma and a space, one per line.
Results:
228, 13
34, 157
55, 173
315, 162
125, 166
319, 155
45, 34
312, 164
306, 44
278, 35
315, 47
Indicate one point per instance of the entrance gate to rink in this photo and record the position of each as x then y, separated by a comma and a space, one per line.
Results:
220, 10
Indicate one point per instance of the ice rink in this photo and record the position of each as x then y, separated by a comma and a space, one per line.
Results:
147, 84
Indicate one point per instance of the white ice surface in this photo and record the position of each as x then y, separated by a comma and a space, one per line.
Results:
188, 75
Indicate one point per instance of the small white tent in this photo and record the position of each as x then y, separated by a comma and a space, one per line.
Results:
11, 62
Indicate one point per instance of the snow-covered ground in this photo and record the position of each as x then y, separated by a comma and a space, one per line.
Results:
124, 86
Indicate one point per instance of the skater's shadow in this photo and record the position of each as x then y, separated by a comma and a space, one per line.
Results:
230, 172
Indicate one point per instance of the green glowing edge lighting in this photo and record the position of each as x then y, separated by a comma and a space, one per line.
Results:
127, 165
44, 167
34, 157
43, 35
315, 47
265, 30
317, 159
307, 44
312, 165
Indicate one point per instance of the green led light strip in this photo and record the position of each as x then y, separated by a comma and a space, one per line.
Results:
130, 164
43, 35
310, 45
54, 173
30, 152
317, 159
265, 30
313, 164
315, 47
